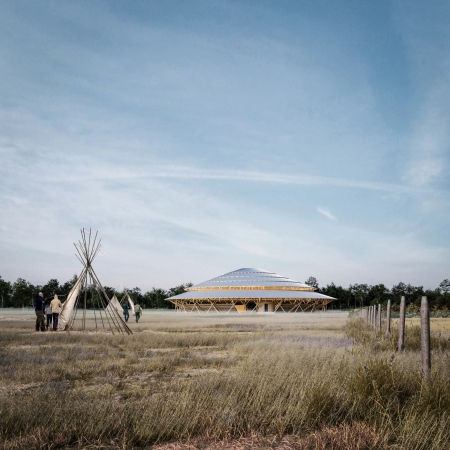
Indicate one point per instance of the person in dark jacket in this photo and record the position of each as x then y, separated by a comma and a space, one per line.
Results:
126, 311
39, 309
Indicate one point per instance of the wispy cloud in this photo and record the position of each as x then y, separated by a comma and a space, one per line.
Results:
300, 179
325, 212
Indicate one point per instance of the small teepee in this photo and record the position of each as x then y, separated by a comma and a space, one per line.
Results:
114, 303
109, 315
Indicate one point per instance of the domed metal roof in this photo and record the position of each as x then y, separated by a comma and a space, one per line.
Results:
248, 277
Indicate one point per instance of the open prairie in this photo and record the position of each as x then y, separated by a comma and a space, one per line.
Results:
290, 381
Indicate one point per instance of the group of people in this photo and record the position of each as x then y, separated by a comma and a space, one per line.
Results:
126, 311
51, 312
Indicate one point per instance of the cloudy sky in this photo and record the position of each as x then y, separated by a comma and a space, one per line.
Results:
200, 137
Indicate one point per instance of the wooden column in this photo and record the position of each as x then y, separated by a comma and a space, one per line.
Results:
425, 338
401, 326
388, 318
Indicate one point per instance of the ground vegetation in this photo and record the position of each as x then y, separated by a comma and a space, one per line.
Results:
245, 384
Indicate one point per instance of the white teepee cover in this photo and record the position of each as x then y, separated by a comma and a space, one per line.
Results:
130, 303
114, 303
69, 304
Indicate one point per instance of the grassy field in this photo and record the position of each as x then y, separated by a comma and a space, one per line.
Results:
186, 381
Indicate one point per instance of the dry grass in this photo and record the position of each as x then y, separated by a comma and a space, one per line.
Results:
246, 386
346, 437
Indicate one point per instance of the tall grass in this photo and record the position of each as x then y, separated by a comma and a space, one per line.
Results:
59, 391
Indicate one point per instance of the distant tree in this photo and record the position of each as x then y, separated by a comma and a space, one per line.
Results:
435, 299
377, 294
413, 294
109, 292
445, 286
23, 293
360, 293
5, 293
156, 298
312, 281
343, 296
50, 289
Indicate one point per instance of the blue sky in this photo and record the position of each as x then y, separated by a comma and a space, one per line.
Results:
199, 137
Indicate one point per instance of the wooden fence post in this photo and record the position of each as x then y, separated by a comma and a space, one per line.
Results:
379, 317
388, 318
401, 326
374, 316
425, 338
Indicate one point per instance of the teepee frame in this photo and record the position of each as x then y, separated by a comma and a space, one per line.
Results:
87, 249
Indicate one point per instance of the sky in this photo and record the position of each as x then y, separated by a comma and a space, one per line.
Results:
200, 137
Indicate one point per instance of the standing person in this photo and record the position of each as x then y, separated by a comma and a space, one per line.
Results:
137, 312
126, 311
48, 314
39, 309
56, 306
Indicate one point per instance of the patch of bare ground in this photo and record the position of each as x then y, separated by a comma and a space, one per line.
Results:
346, 437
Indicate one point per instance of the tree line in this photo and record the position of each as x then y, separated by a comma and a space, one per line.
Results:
21, 293
362, 295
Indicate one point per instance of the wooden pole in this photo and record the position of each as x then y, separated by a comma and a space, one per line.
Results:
401, 326
379, 317
374, 316
388, 318
425, 338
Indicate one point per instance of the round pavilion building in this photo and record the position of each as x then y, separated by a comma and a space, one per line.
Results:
250, 290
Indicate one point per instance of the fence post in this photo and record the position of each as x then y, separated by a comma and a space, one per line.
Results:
401, 326
425, 338
370, 315
388, 318
374, 316
379, 317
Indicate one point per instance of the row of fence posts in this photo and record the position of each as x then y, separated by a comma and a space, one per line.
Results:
372, 315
